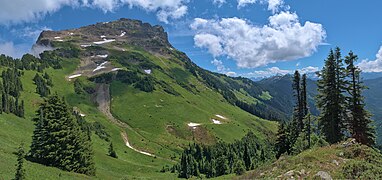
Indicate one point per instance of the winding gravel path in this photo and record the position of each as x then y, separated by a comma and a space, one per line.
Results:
103, 100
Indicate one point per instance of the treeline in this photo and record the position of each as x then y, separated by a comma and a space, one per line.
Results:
340, 101
223, 158
81, 88
43, 84
30, 62
61, 138
142, 82
11, 88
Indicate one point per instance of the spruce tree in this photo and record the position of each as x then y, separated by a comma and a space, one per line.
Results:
112, 153
282, 142
305, 109
20, 171
304, 101
247, 158
297, 124
308, 129
58, 140
359, 122
239, 168
330, 98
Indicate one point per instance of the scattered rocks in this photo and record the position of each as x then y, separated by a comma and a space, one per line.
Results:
274, 169
335, 162
323, 175
302, 172
289, 173
349, 142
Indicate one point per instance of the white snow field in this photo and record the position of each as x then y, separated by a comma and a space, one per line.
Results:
74, 76
101, 66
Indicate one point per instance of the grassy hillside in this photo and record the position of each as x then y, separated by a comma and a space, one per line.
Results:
341, 161
157, 107
15, 130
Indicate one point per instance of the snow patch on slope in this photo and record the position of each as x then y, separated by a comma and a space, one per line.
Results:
104, 41
74, 76
220, 116
101, 66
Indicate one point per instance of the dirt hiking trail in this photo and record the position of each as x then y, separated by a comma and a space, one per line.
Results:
103, 100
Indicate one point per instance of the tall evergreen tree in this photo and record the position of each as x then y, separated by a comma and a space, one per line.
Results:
112, 152
247, 158
308, 128
359, 122
58, 140
304, 101
298, 112
330, 98
20, 171
297, 124
282, 142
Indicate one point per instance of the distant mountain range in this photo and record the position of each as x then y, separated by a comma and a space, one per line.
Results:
280, 88
313, 76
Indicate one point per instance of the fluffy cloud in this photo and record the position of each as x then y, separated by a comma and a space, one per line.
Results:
13, 50
222, 69
29, 32
219, 65
17, 11
372, 66
231, 73
309, 70
273, 5
277, 71
268, 72
165, 8
283, 38
211, 42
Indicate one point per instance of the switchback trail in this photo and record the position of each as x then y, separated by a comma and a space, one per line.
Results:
103, 100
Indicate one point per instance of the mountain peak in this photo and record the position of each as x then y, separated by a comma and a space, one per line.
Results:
123, 31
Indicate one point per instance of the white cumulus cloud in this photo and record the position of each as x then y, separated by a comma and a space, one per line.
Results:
272, 71
273, 5
283, 38
231, 73
210, 41
219, 65
165, 8
13, 50
309, 70
374, 65
18, 11
268, 72
222, 69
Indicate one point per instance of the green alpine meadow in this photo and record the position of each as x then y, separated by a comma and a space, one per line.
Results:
129, 99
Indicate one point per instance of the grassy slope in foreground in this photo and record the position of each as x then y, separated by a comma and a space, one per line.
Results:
351, 161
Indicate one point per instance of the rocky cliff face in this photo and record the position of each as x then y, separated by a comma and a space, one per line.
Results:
122, 31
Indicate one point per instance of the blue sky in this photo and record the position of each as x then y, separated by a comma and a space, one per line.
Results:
251, 38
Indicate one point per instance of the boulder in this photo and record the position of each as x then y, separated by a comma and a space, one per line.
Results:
323, 175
